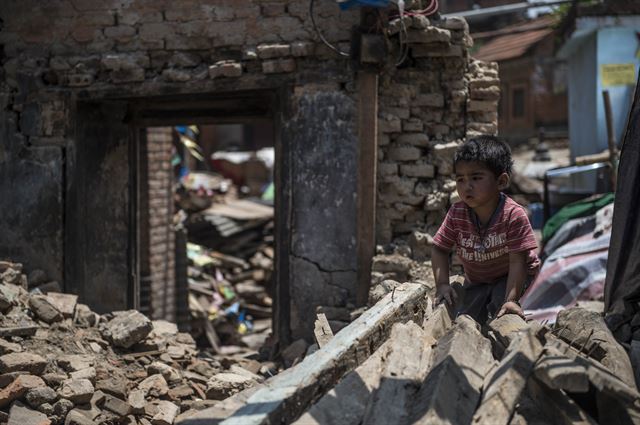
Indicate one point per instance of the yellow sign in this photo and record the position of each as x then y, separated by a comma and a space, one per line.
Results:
618, 74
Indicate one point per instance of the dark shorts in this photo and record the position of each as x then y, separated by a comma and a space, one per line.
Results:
482, 301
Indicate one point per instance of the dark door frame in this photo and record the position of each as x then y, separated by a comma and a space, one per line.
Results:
208, 108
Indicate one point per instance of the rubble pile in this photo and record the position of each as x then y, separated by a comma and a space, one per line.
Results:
512, 372
60, 363
405, 362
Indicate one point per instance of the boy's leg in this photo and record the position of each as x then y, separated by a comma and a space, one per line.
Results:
474, 302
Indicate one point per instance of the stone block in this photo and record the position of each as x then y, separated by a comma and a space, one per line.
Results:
420, 170
224, 385
156, 31
120, 32
75, 362
389, 123
79, 391
412, 124
120, 61
181, 42
185, 60
482, 106
19, 387
40, 395
44, 309
65, 303
154, 386
127, 328
176, 75
165, 413
22, 415
278, 66
117, 406
404, 153
434, 100
415, 139
387, 169
429, 35
87, 373
272, 9
270, 51
228, 69
481, 83
26, 362
302, 48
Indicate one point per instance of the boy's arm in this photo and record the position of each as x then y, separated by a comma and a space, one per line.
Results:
515, 283
440, 264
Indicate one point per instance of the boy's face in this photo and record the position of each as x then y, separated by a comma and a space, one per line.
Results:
477, 185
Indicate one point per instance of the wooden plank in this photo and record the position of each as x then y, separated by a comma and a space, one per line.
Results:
367, 164
509, 380
404, 370
322, 330
451, 391
290, 393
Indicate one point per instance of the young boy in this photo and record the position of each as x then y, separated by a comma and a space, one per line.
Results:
491, 234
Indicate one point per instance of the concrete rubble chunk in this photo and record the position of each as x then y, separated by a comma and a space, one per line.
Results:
429, 35
79, 391
44, 309
560, 372
9, 347
154, 386
137, 401
587, 328
226, 384
509, 380
461, 360
405, 367
117, 406
22, 415
65, 303
19, 388
40, 395
294, 352
75, 362
25, 361
127, 328
170, 374
166, 413
87, 373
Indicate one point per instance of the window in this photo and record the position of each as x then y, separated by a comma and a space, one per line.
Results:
517, 103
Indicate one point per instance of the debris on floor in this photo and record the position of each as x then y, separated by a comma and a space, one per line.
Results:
61, 363
403, 363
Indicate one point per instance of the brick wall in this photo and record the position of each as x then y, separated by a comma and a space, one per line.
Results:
160, 261
56, 53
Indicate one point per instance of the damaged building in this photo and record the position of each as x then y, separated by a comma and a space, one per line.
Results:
365, 125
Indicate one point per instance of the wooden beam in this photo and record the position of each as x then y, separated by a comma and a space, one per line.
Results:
367, 165
289, 394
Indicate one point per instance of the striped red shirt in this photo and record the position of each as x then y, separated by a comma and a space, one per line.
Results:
509, 232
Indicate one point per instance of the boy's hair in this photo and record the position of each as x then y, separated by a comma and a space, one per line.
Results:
489, 150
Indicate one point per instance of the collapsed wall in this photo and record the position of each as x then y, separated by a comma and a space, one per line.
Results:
78, 75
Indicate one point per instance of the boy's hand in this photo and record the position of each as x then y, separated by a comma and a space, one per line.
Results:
511, 307
447, 294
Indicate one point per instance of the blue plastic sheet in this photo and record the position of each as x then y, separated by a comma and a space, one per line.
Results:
370, 3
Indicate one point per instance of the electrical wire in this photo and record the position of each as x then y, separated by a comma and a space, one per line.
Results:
324, 40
